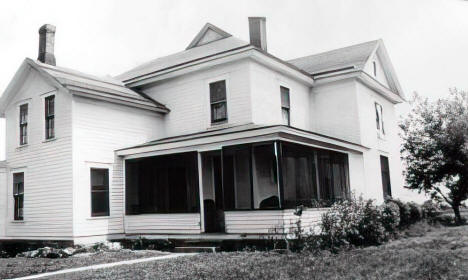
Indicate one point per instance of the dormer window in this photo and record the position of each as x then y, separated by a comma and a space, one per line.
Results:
218, 102
379, 119
23, 124
50, 117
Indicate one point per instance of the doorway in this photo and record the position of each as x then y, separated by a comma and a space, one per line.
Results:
213, 192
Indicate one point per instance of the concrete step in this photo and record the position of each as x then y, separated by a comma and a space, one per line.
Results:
187, 249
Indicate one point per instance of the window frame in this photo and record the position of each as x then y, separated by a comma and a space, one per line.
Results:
23, 139
285, 107
49, 117
225, 101
91, 191
379, 120
387, 190
15, 217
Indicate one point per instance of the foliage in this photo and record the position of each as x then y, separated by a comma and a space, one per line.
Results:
415, 213
430, 210
390, 216
405, 213
354, 222
435, 149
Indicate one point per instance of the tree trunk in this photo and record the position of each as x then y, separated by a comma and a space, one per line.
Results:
456, 211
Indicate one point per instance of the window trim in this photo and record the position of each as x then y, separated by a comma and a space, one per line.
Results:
89, 167
286, 108
10, 192
48, 117
20, 125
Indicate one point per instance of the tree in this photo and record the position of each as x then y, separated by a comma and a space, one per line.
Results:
435, 148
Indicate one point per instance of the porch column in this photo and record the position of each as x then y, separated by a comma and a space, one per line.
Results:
200, 188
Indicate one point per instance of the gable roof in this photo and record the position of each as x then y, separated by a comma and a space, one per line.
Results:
188, 55
208, 34
108, 88
352, 56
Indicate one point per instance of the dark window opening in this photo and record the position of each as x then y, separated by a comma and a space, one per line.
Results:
23, 123
333, 176
285, 106
50, 117
162, 184
218, 102
99, 192
18, 195
385, 170
379, 118
237, 177
374, 64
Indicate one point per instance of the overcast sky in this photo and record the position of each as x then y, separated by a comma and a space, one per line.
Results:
427, 39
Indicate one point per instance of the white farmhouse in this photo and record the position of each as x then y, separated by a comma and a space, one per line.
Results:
221, 139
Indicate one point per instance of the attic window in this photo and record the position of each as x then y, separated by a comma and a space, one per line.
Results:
23, 123
375, 68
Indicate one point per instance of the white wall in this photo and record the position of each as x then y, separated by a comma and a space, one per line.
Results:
335, 110
266, 98
47, 164
100, 128
188, 98
3, 200
369, 69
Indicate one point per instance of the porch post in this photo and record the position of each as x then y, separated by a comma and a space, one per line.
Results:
200, 187
279, 171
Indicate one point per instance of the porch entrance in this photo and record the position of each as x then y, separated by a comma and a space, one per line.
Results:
212, 179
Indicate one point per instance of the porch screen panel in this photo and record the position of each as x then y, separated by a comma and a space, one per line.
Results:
265, 178
299, 175
333, 175
236, 178
162, 184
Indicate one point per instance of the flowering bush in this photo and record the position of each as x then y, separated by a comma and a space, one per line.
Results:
353, 222
390, 216
405, 215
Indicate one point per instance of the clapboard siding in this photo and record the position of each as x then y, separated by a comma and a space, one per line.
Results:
188, 98
3, 200
270, 221
99, 129
162, 224
47, 164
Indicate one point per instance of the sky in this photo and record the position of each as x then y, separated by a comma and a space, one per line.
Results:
427, 40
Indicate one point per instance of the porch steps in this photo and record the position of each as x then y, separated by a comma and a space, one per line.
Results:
187, 249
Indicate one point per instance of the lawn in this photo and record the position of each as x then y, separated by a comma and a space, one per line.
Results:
18, 267
425, 253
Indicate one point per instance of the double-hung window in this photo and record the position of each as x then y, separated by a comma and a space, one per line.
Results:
385, 172
218, 102
18, 195
99, 192
379, 120
285, 108
23, 124
50, 117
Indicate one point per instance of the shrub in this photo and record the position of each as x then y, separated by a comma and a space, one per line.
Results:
415, 213
355, 222
390, 216
405, 216
430, 210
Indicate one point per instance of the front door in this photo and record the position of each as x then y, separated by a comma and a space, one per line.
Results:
213, 192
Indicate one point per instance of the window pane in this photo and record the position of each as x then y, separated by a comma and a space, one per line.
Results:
217, 91
23, 113
377, 116
265, 181
385, 171
284, 97
18, 190
218, 112
236, 176
285, 114
99, 177
100, 204
50, 106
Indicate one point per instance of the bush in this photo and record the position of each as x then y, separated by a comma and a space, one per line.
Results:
415, 213
405, 215
354, 222
430, 210
390, 216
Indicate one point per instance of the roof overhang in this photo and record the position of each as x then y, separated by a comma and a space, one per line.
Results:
361, 77
246, 52
206, 142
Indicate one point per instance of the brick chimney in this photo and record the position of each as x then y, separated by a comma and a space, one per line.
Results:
257, 30
46, 44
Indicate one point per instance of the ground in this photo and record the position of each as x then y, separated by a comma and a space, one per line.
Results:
424, 252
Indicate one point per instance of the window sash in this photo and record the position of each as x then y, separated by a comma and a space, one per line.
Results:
379, 118
285, 98
218, 101
18, 195
23, 124
286, 118
100, 190
50, 117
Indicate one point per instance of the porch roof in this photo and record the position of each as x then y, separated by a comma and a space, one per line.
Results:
234, 135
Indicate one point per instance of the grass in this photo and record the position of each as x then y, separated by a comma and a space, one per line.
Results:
425, 253
18, 267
